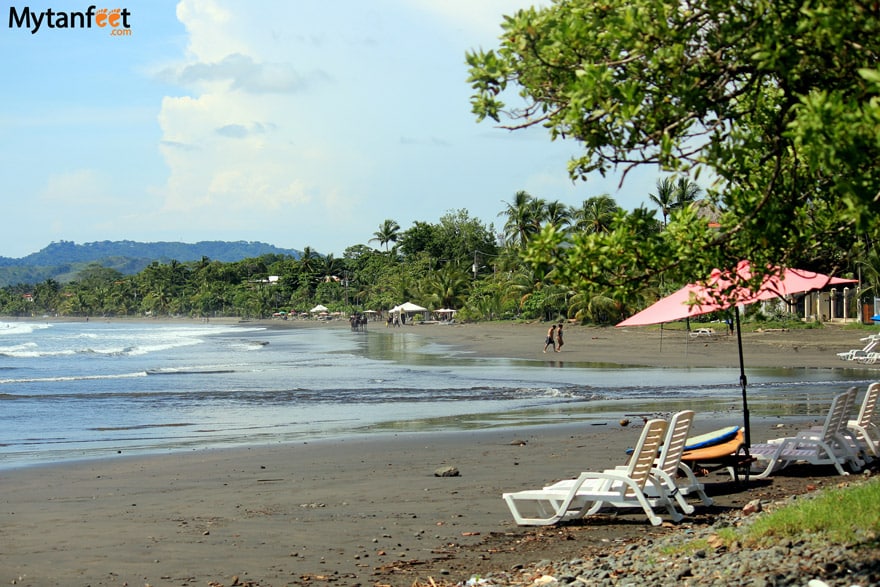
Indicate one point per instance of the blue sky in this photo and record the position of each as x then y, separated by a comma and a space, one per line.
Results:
297, 123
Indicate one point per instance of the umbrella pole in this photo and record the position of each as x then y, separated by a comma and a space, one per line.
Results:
743, 381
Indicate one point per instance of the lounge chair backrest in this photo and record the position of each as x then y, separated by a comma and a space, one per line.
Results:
642, 460
676, 438
869, 405
837, 416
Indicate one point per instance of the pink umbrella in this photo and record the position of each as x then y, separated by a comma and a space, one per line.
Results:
697, 299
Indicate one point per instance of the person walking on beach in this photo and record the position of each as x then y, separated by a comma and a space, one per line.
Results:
559, 341
551, 339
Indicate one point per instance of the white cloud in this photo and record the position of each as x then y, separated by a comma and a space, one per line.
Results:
81, 187
317, 124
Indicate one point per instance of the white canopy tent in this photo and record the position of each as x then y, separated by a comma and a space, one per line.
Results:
318, 308
408, 308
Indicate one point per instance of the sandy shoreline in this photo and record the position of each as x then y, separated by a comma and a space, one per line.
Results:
653, 347
363, 511
355, 511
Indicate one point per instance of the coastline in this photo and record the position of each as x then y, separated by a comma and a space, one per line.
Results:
652, 346
648, 346
370, 510
358, 511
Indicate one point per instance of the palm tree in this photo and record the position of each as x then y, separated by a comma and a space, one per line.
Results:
524, 217
447, 287
641, 222
331, 267
557, 214
389, 232
308, 261
597, 214
595, 308
665, 197
870, 269
686, 192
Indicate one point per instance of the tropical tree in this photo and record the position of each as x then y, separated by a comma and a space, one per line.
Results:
686, 192
785, 132
596, 214
595, 308
665, 197
46, 295
557, 213
389, 232
524, 215
870, 271
447, 288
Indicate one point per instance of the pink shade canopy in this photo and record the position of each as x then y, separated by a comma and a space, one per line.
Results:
696, 299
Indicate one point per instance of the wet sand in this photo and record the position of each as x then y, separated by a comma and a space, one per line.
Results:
360, 511
653, 346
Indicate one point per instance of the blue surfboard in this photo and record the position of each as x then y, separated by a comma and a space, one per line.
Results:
708, 439
711, 438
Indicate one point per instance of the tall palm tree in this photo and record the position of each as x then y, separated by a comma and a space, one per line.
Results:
524, 217
870, 269
596, 214
642, 222
686, 192
331, 267
308, 260
389, 232
447, 287
665, 198
557, 214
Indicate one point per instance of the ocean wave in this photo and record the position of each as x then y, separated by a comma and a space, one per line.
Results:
190, 371
65, 378
141, 427
11, 328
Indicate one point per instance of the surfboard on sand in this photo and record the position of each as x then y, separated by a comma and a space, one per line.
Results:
715, 452
711, 438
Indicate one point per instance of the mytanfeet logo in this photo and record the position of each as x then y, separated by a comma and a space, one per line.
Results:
116, 20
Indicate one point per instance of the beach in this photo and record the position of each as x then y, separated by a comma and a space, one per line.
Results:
654, 346
373, 510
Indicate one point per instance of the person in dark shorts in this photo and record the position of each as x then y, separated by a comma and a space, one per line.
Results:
551, 338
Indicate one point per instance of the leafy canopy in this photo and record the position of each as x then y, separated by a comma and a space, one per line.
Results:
773, 104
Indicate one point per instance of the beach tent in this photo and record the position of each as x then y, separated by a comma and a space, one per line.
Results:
696, 299
407, 308
318, 308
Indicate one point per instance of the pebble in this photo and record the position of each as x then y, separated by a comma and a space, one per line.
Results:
648, 563
447, 472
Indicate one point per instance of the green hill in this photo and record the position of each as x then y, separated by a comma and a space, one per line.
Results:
62, 260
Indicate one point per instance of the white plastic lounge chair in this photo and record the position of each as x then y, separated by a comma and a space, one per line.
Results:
670, 467
864, 429
587, 494
870, 341
666, 468
869, 358
857, 453
826, 446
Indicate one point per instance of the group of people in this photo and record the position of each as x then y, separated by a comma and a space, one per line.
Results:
554, 338
358, 322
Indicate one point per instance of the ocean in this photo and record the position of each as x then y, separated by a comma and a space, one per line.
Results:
82, 390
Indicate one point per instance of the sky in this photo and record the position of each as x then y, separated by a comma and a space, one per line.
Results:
295, 123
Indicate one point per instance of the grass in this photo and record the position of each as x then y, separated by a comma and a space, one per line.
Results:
846, 515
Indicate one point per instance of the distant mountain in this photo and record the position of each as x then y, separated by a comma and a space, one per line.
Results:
63, 260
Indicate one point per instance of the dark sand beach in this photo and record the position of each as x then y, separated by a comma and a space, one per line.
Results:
371, 511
